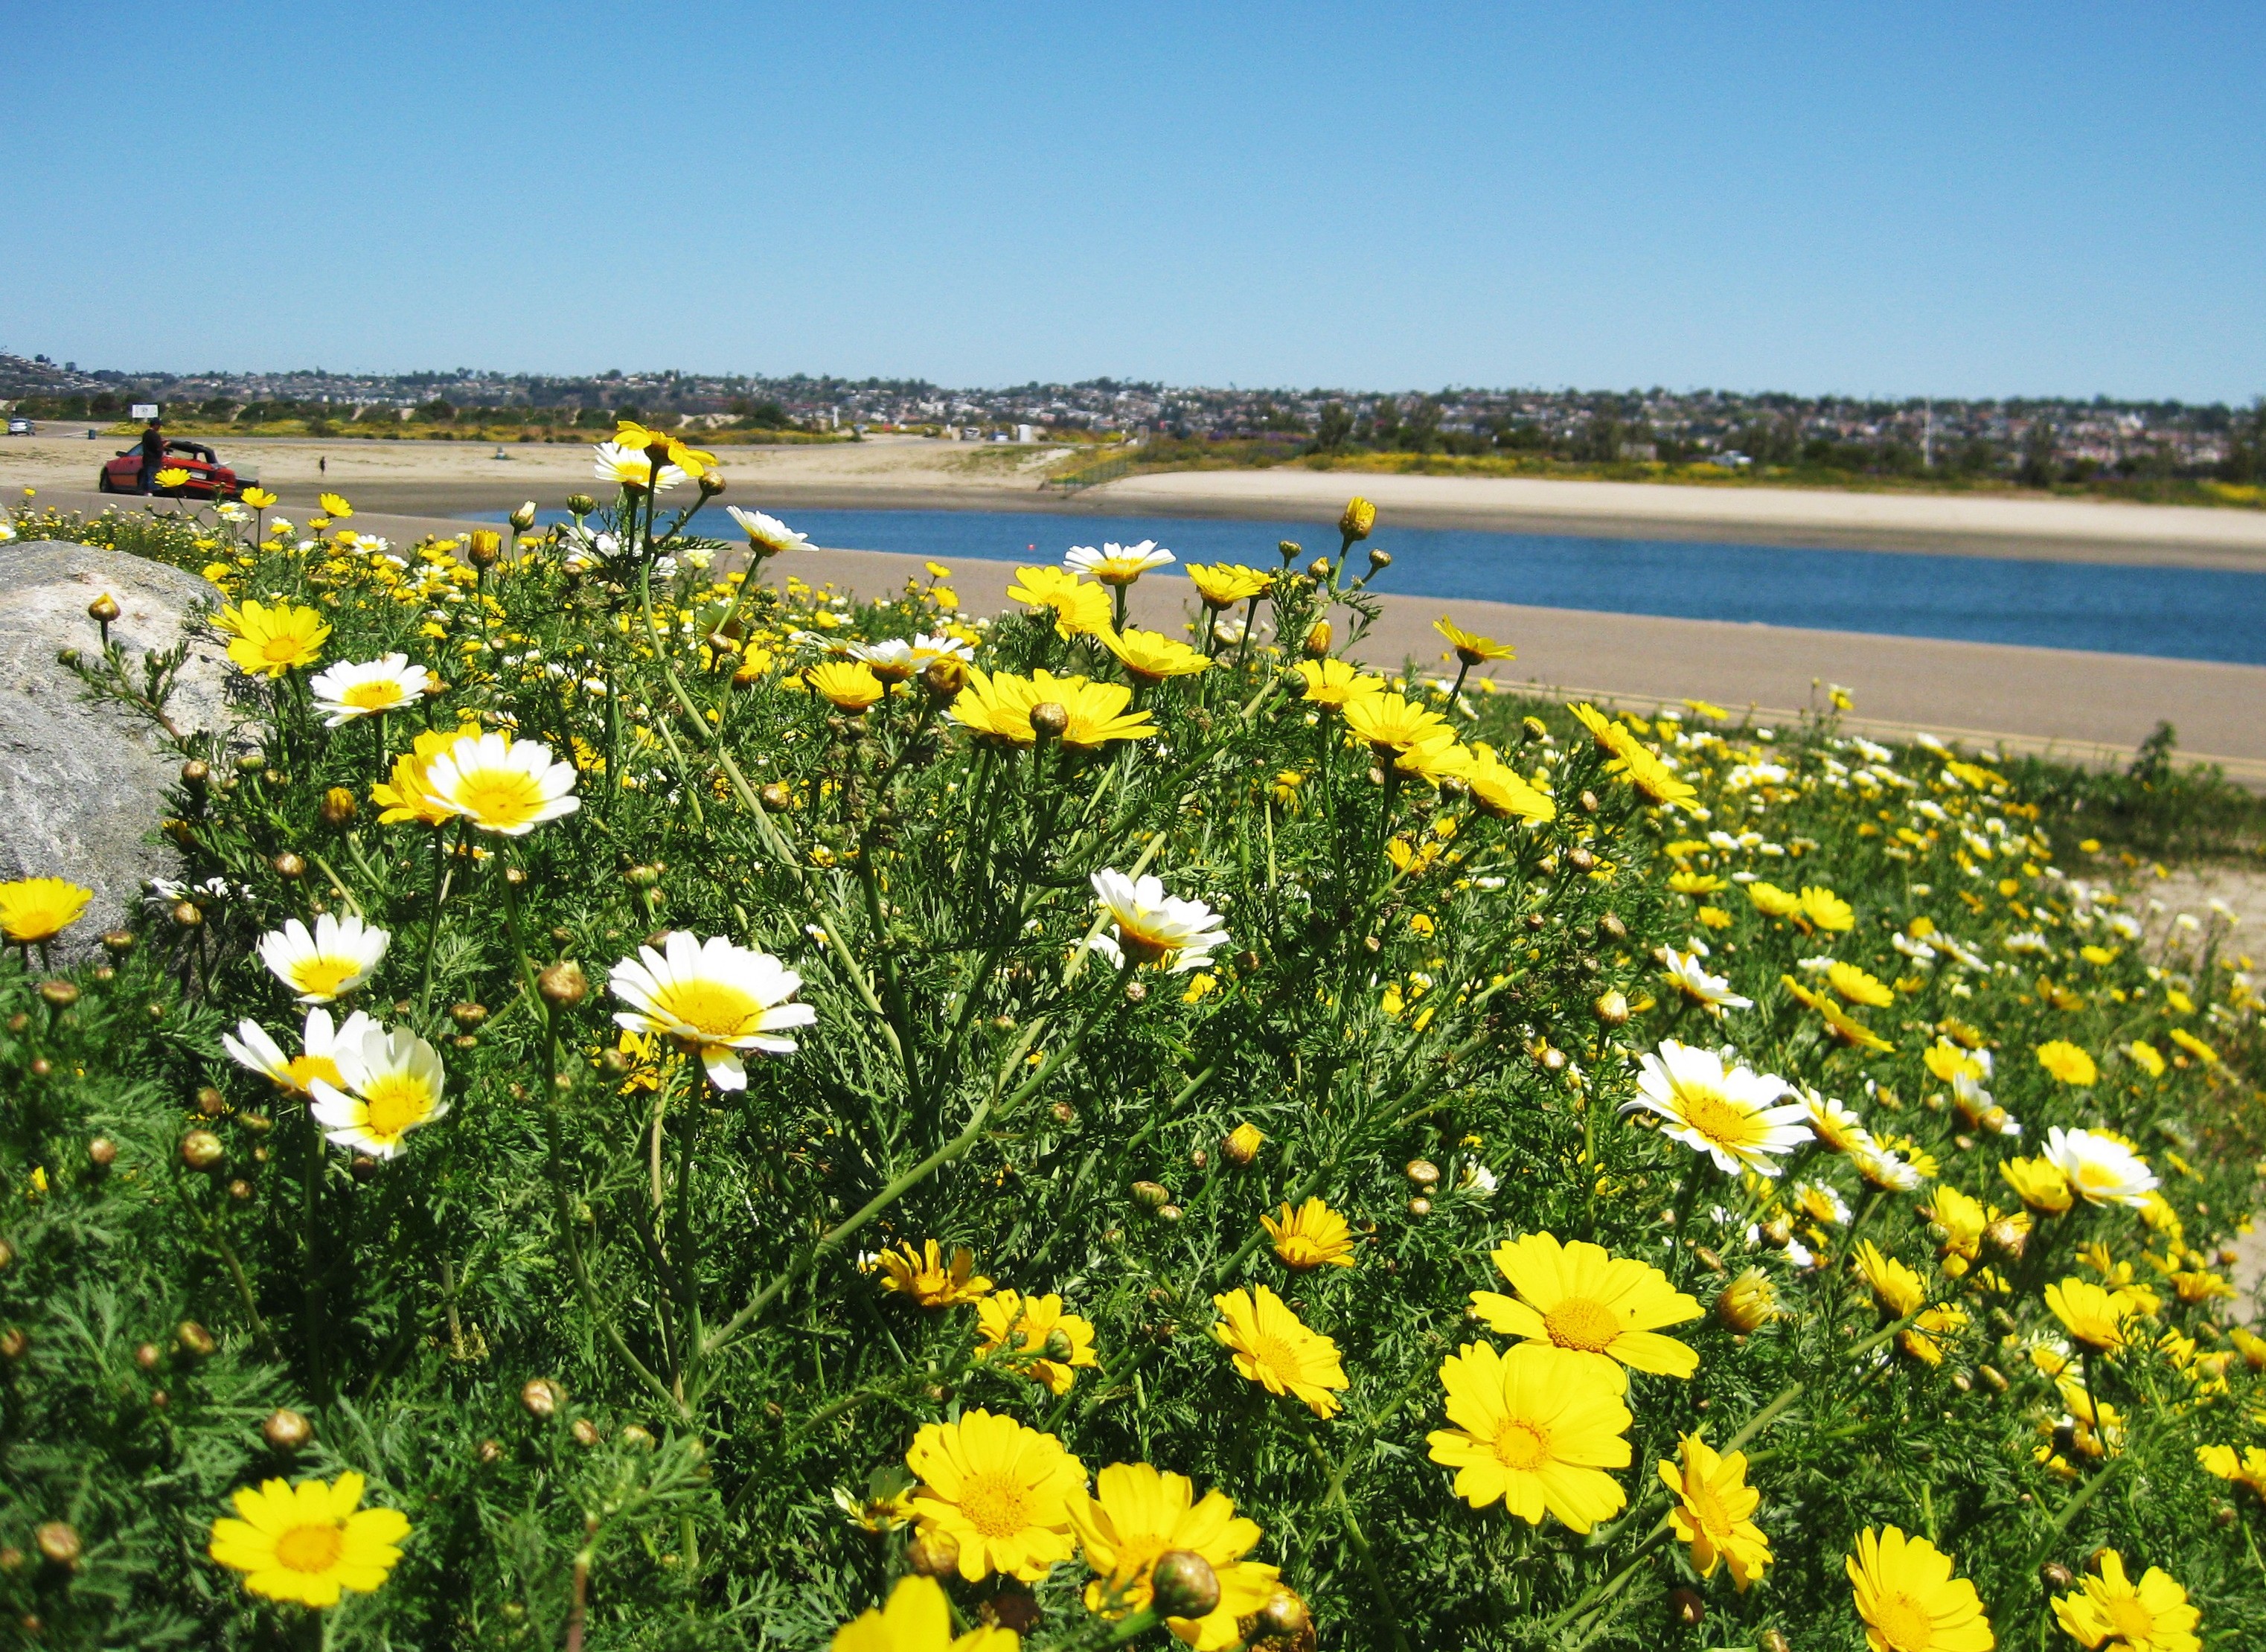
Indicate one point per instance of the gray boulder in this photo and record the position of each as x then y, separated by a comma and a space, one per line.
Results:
82, 782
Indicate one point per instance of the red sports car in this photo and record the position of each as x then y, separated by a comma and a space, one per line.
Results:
208, 477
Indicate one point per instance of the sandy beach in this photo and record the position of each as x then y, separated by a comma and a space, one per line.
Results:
441, 478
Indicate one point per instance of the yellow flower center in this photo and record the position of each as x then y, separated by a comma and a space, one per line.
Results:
1905, 1624
711, 1007
1714, 1116
996, 1505
1700, 1497
500, 797
31, 924
1300, 1250
1578, 1322
393, 1103
305, 1070
1140, 944
2134, 1621
281, 649
1519, 1445
1273, 1354
323, 976
310, 1548
378, 696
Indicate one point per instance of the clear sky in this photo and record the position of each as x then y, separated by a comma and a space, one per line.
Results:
1900, 199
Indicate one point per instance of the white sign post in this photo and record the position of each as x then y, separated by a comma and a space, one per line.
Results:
145, 410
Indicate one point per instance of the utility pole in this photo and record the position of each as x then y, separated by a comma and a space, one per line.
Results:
1927, 434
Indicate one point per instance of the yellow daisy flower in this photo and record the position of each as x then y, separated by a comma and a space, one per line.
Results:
1772, 902
999, 1490
270, 641
1895, 1286
1860, 987
1608, 1310
690, 460
1535, 1431
1391, 724
1274, 1349
1909, 1600
1034, 1324
334, 506
1470, 647
1079, 608
309, 1542
925, 1275
849, 684
1314, 1236
2067, 1062
1501, 791
1330, 684
2095, 1315
2110, 1610
2038, 1183
35, 911
1825, 910
1714, 1512
918, 1618
1224, 585
410, 795
1844, 1026
1138, 1513
1150, 657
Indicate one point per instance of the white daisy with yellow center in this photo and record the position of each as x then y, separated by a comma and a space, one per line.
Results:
393, 1083
629, 467
1153, 927
2101, 1169
1117, 564
711, 996
767, 535
1689, 976
1715, 1106
348, 690
251, 1047
501, 785
894, 659
327, 961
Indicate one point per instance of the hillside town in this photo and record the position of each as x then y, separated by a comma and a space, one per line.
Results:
2041, 438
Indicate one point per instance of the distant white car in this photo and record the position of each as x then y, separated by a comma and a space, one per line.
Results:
21, 427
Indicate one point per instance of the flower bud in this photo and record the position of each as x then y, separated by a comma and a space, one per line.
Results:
201, 1150
775, 798
1170, 1214
1778, 1233
60, 994
1058, 1345
486, 548
1420, 1207
585, 1432
563, 985
185, 914
1773, 1641
289, 866
102, 610
1424, 1172
1289, 550
932, 1553
1685, 1608
1379, 559
1611, 1008
1049, 719
1242, 1144
468, 1015
286, 1430
1284, 1617
2054, 1575
194, 1341
211, 1102
638, 1435
195, 775
2007, 1235
1747, 1303
118, 942
14, 1344
712, 483
59, 1544
1318, 640
541, 1397
943, 677
338, 809
524, 518
580, 504
1357, 519
1182, 1584
1151, 1196
102, 1152
1993, 1378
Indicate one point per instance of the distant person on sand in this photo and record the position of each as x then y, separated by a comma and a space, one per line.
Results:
322, 464
153, 455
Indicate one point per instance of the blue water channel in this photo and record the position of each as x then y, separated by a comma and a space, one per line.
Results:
2174, 613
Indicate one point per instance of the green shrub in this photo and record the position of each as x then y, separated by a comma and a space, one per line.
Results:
618, 1334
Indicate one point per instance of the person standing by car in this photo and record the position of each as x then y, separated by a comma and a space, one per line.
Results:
153, 455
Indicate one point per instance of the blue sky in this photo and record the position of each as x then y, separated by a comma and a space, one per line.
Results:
1889, 199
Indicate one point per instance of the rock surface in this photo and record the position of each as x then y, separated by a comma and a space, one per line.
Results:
82, 783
